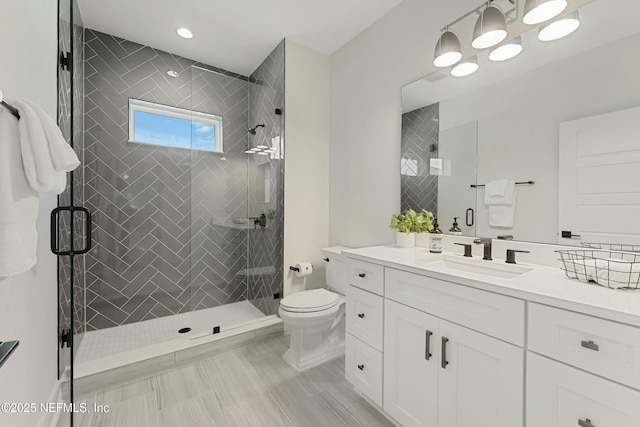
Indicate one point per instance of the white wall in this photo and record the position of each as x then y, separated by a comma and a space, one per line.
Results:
518, 125
28, 302
367, 75
306, 203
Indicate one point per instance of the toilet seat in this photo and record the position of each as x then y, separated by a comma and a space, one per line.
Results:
309, 301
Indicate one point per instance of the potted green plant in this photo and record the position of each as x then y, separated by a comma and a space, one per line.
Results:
423, 224
404, 225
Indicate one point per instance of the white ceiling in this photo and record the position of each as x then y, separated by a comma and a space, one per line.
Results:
602, 21
235, 35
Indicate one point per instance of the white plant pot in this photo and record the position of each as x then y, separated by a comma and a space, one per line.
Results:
405, 240
422, 240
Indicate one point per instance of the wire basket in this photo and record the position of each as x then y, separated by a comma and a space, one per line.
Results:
612, 269
612, 246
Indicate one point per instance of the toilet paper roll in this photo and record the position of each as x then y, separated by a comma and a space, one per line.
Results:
304, 269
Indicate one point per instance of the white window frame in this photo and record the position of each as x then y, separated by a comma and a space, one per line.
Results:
179, 113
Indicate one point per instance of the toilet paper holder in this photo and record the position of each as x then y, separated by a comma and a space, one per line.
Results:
296, 269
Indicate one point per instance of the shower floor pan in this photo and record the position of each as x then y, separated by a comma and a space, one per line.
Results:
118, 355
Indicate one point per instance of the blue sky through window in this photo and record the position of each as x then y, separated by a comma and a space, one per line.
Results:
173, 132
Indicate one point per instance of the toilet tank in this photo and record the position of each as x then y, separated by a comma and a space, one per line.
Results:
336, 268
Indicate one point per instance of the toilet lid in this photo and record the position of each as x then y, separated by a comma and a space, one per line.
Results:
309, 301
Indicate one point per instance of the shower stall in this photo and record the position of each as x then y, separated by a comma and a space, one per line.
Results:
182, 171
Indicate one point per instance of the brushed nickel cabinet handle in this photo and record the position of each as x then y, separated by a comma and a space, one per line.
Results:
590, 345
443, 361
427, 345
361, 367
585, 423
361, 315
361, 275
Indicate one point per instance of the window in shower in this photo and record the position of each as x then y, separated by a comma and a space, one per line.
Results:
157, 124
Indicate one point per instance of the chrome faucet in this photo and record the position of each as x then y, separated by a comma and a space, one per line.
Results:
486, 241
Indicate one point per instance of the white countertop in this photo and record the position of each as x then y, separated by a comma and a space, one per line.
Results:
543, 284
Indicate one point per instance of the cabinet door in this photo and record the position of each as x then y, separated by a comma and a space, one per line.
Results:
410, 366
559, 396
481, 380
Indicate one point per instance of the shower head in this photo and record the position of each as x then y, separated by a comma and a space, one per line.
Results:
252, 131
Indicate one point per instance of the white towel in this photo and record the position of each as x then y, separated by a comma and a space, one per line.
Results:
616, 273
34, 158
500, 197
18, 204
62, 155
40, 143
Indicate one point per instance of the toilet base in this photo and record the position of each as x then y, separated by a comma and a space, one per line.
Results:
329, 354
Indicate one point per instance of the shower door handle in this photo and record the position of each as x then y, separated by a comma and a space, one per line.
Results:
470, 221
55, 222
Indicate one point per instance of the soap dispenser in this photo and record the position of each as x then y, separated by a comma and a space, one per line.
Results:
435, 238
455, 230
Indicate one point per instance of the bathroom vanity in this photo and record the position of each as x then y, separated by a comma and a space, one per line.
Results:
443, 340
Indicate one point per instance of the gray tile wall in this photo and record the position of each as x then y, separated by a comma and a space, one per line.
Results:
266, 245
420, 130
161, 215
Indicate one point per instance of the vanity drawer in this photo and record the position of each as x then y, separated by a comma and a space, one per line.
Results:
366, 275
600, 346
491, 314
365, 316
559, 395
363, 368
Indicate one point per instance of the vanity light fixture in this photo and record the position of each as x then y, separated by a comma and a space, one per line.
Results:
466, 67
448, 50
559, 28
506, 50
262, 146
263, 153
539, 11
490, 28
185, 33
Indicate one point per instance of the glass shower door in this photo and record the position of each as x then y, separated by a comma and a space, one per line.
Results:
70, 219
218, 200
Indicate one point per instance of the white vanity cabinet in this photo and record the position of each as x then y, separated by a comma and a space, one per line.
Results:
437, 373
441, 350
364, 319
421, 365
559, 394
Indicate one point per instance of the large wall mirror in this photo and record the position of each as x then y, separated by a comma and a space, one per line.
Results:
563, 114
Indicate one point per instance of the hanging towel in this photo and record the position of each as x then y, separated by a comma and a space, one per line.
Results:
62, 155
18, 204
500, 198
34, 158
40, 142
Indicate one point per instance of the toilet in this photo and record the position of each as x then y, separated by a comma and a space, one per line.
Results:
315, 318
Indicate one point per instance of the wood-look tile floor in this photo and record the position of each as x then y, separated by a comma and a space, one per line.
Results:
248, 386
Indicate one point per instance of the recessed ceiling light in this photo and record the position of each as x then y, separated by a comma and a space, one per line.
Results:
559, 28
184, 32
465, 68
173, 73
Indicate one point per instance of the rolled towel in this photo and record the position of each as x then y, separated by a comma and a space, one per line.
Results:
617, 273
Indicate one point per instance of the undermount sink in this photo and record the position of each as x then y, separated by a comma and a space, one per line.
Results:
478, 266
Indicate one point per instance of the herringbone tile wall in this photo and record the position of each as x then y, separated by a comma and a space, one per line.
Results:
165, 242
266, 245
420, 130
